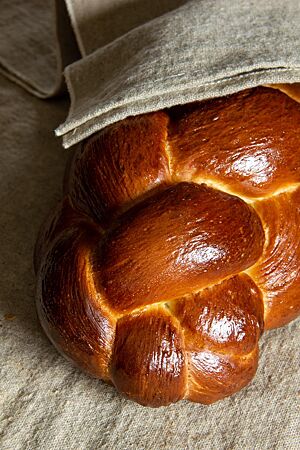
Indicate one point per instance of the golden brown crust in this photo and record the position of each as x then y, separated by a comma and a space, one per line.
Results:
247, 141
214, 376
226, 317
122, 163
291, 89
152, 273
69, 307
148, 364
189, 236
63, 217
277, 273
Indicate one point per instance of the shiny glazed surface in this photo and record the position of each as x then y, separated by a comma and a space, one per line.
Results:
175, 246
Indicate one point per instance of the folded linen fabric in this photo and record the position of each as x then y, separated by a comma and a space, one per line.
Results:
36, 43
198, 50
140, 56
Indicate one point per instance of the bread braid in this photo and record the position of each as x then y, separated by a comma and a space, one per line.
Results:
175, 245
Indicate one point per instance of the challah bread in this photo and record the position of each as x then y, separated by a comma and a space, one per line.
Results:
175, 245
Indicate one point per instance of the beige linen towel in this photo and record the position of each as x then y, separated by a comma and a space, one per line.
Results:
142, 55
198, 50
36, 43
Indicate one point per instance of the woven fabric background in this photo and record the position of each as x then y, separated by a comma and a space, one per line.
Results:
45, 403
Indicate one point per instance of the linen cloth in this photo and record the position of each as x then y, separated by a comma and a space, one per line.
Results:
199, 50
45, 403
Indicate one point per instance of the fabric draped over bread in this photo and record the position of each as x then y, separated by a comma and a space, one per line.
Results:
128, 57
171, 253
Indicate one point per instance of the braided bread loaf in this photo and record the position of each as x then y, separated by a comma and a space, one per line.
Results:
175, 245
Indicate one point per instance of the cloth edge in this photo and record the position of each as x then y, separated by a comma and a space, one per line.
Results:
76, 133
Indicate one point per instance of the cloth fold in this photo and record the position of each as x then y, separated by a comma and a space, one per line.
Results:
201, 49
36, 44
140, 56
